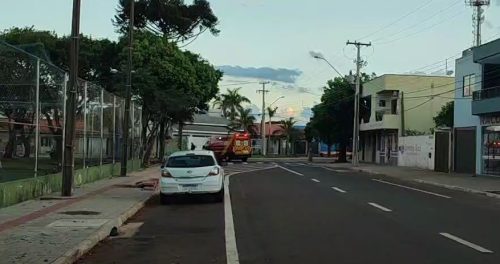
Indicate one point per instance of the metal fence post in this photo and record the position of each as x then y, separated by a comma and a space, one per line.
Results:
102, 131
65, 86
37, 115
84, 127
114, 130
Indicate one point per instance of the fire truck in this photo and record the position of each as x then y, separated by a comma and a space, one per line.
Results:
229, 147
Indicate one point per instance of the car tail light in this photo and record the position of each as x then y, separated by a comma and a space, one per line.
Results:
166, 174
214, 172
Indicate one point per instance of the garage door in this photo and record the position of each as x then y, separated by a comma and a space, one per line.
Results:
465, 150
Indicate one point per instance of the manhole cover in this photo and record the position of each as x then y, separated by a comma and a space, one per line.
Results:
80, 213
78, 223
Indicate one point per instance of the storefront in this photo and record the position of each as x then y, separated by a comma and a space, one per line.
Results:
491, 145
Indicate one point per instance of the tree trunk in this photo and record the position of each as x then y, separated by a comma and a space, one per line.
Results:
309, 152
27, 146
329, 151
342, 152
161, 154
149, 146
286, 147
179, 143
11, 143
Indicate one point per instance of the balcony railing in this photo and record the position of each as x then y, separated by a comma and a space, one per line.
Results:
486, 93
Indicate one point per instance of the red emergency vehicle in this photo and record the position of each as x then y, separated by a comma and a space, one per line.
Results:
235, 146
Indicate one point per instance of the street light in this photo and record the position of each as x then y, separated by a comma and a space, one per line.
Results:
277, 99
269, 132
320, 56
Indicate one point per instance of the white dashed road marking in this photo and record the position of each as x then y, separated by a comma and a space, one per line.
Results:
413, 189
314, 180
466, 243
292, 171
338, 190
378, 206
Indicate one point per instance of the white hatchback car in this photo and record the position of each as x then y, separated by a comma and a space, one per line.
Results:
191, 172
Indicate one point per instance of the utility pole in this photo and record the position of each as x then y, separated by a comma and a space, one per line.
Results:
69, 122
128, 91
477, 18
263, 119
402, 112
355, 134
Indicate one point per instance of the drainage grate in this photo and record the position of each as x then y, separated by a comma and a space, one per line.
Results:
80, 213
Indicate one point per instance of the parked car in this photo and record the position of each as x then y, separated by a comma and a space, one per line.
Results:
191, 173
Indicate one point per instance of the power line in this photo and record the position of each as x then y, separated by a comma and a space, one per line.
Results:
397, 20
422, 30
420, 22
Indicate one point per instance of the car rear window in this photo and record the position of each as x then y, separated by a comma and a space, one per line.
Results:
190, 161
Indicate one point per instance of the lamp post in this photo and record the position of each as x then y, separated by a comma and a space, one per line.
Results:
320, 56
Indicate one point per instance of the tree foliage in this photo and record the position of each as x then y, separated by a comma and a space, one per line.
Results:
231, 103
445, 117
289, 132
171, 85
173, 19
332, 121
246, 120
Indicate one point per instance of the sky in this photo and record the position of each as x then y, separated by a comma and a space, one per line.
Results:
271, 40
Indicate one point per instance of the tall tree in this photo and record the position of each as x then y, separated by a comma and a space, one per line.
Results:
231, 103
445, 117
288, 131
173, 19
333, 117
246, 120
171, 85
271, 112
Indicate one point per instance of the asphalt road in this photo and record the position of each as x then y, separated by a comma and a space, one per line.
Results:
308, 214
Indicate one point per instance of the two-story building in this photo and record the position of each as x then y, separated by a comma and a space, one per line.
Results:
394, 105
477, 111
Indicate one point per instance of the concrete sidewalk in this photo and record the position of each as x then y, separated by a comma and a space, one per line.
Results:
484, 185
62, 230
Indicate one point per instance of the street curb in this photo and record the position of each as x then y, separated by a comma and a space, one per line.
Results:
100, 234
458, 188
451, 187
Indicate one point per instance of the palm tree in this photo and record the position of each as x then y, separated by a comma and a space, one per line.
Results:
288, 130
246, 120
230, 103
271, 112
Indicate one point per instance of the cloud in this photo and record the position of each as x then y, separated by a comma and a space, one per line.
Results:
266, 73
296, 88
306, 112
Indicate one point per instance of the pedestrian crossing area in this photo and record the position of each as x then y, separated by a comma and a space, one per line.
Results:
241, 167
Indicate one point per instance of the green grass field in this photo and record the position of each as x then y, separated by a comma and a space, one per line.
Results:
22, 168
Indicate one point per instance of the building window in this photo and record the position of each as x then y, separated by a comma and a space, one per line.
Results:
381, 103
469, 82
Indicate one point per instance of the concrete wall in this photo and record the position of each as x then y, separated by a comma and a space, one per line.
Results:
18, 191
463, 106
416, 151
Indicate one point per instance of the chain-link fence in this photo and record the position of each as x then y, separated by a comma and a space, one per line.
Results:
32, 114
